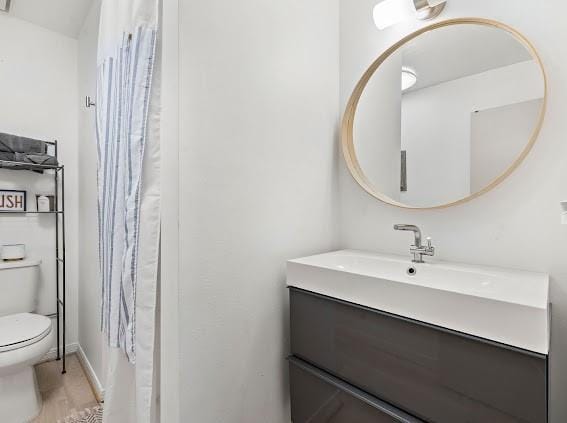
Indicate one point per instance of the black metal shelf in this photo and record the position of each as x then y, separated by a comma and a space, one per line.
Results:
59, 213
31, 212
10, 165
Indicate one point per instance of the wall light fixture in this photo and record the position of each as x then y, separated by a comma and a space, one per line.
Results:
390, 12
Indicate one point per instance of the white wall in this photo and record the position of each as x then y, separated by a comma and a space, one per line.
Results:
90, 337
436, 128
259, 112
516, 224
38, 86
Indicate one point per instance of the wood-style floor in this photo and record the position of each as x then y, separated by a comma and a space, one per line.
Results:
63, 395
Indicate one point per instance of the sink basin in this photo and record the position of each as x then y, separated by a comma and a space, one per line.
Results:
506, 306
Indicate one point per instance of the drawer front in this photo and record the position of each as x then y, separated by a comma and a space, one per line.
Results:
317, 397
434, 374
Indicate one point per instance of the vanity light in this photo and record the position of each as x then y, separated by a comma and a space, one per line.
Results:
409, 78
390, 12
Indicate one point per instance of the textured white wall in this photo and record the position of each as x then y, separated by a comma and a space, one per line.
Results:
90, 337
259, 112
516, 224
38, 99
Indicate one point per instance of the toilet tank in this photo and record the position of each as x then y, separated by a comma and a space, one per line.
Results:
19, 284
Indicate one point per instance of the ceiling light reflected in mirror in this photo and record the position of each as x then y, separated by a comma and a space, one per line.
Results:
409, 78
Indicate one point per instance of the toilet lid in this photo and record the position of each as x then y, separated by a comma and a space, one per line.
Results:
19, 330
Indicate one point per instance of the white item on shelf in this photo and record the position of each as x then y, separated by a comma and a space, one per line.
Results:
43, 204
14, 252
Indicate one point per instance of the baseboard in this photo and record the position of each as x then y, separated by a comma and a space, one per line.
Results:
91, 375
52, 353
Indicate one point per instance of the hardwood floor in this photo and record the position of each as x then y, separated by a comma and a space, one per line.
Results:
63, 395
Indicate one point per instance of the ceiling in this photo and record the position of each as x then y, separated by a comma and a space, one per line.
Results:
63, 16
462, 50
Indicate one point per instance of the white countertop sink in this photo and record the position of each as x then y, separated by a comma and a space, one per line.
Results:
506, 306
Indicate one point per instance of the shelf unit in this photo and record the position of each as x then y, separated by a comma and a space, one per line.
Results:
58, 173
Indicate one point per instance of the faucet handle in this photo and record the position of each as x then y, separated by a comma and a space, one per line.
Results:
430, 249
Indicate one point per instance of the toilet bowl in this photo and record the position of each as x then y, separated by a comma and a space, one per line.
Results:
24, 339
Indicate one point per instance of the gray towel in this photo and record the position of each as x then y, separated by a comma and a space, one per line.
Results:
9, 157
40, 159
15, 144
23, 161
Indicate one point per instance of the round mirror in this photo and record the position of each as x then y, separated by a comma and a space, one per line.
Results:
445, 114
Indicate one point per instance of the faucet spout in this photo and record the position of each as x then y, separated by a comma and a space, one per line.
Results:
417, 250
412, 228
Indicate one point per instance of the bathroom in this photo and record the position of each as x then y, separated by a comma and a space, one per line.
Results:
253, 180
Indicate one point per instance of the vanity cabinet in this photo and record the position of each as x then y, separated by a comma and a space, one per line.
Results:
318, 397
430, 373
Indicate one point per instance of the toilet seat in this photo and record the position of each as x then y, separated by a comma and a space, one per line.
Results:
22, 329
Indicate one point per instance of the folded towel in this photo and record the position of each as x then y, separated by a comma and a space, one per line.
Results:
15, 144
40, 159
9, 157
26, 161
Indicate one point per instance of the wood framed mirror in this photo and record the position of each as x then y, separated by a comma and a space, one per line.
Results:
445, 114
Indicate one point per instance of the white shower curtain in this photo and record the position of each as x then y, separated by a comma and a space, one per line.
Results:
128, 93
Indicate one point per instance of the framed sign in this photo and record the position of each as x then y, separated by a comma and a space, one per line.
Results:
12, 200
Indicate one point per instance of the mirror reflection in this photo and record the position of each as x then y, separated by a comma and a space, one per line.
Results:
447, 114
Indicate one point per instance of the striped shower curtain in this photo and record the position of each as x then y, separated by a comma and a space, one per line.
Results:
124, 83
127, 127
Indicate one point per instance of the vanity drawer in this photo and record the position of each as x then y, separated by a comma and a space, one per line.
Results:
317, 397
432, 373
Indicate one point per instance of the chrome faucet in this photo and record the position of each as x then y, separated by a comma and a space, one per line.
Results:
417, 250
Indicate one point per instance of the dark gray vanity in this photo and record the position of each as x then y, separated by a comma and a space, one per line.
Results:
355, 364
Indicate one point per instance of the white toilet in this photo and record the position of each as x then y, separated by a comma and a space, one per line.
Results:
25, 338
